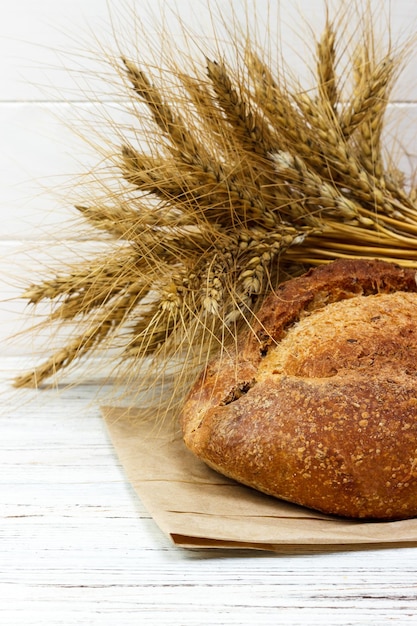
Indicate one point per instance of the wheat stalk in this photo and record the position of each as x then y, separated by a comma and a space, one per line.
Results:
326, 70
246, 179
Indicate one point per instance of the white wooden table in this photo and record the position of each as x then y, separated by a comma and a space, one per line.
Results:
78, 547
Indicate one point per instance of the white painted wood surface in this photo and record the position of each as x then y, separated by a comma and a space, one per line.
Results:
76, 544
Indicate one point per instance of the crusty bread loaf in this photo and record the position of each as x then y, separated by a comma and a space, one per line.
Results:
318, 403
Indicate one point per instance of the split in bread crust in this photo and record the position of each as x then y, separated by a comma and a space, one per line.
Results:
318, 403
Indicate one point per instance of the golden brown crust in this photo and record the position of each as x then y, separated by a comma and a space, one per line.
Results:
318, 404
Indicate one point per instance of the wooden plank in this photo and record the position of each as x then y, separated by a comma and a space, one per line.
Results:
77, 546
22, 264
48, 150
50, 46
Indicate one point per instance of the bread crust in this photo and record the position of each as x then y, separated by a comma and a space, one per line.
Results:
317, 404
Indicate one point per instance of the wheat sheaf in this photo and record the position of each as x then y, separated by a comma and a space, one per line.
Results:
246, 179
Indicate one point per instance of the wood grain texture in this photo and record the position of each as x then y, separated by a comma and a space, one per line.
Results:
77, 546
47, 47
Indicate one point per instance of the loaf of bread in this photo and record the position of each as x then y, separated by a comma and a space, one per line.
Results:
317, 404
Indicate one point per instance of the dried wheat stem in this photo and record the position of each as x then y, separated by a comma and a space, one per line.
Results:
85, 278
317, 123
367, 250
313, 256
129, 222
183, 142
370, 98
80, 305
202, 188
97, 331
318, 192
150, 332
279, 107
190, 190
209, 114
345, 171
119, 221
248, 127
157, 176
397, 227
326, 70
255, 262
382, 237
333, 156
370, 130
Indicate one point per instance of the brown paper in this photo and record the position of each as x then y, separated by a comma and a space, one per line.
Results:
198, 507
